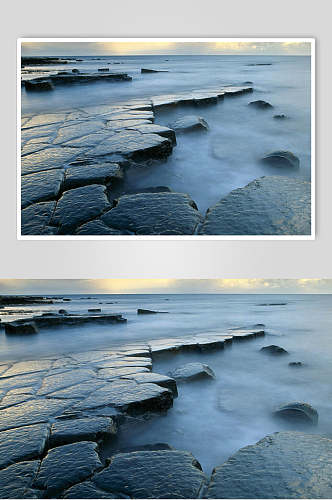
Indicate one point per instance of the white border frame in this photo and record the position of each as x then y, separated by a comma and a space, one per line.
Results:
312, 41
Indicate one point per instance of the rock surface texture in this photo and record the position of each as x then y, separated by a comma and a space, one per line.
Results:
282, 465
266, 206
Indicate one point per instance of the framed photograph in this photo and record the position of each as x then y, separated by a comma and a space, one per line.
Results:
162, 138
165, 388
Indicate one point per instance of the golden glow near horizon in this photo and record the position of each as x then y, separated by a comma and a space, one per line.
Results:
165, 47
58, 286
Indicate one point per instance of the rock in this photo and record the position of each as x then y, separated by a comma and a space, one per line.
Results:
44, 61
154, 213
84, 429
282, 465
62, 311
275, 350
189, 123
146, 70
104, 173
135, 145
280, 117
297, 412
148, 311
36, 218
192, 371
103, 69
16, 480
260, 104
41, 186
259, 64
94, 310
47, 159
67, 465
153, 474
25, 328
38, 86
97, 227
77, 206
152, 128
155, 378
266, 206
24, 443
74, 78
129, 396
281, 159
68, 378
295, 364
75, 70
87, 489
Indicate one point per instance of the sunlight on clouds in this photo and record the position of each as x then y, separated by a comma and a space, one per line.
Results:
123, 285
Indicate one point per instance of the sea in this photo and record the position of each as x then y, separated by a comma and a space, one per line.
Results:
209, 165
210, 418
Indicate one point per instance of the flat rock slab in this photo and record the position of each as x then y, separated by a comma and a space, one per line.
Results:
282, 465
155, 378
47, 159
84, 429
25, 443
154, 213
77, 206
151, 128
98, 228
87, 489
36, 218
16, 480
267, 206
189, 123
134, 145
55, 382
67, 465
24, 367
103, 173
129, 396
192, 371
153, 474
41, 186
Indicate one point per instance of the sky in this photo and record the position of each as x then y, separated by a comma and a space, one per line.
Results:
161, 47
92, 286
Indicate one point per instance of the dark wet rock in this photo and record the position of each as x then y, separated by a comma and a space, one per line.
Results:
152, 128
248, 83
189, 123
103, 69
280, 117
281, 159
47, 159
297, 412
38, 86
16, 480
146, 70
260, 104
21, 328
98, 228
145, 447
121, 371
58, 381
41, 60
148, 311
259, 64
75, 70
274, 350
22, 444
84, 429
154, 213
67, 465
74, 78
282, 465
103, 173
87, 490
41, 186
295, 364
192, 371
11, 300
77, 206
94, 310
272, 205
273, 304
24, 367
129, 396
62, 311
135, 145
141, 474
155, 378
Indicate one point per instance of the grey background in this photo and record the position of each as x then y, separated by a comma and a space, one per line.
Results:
166, 259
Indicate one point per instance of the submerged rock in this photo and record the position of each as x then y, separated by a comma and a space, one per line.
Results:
280, 117
188, 123
192, 371
146, 70
281, 159
282, 465
275, 350
77, 206
260, 104
295, 364
148, 311
21, 328
297, 412
153, 474
272, 205
154, 213
67, 465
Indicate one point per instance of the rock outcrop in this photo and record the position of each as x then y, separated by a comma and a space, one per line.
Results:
188, 123
272, 205
274, 350
281, 159
297, 412
192, 371
260, 104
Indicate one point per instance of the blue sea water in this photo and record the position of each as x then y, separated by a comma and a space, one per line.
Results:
212, 419
209, 165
